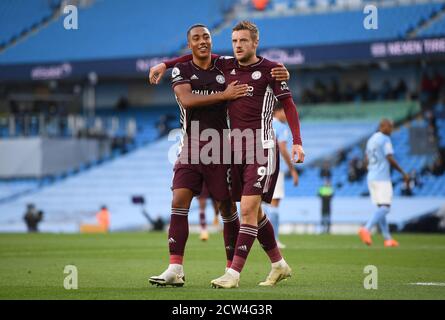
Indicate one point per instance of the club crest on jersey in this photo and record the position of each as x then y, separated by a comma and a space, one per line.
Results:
256, 75
175, 72
220, 79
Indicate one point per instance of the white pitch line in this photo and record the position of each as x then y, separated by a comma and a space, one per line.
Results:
440, 284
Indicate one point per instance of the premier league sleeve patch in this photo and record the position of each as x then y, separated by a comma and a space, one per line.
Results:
284, 86
176, 75
175, 72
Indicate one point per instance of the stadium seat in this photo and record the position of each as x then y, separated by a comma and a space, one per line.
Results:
92, 40
19, 15
332, 27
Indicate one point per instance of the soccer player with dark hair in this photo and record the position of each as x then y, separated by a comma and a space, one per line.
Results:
201, 94
253, 179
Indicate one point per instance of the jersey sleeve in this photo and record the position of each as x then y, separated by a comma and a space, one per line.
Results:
290, 109
387, 147
186, 58
280, 88
179, 75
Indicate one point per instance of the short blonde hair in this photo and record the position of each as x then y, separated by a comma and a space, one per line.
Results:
247, 25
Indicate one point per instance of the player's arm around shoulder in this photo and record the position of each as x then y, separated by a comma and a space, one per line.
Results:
279, 72
225, 63
156, 73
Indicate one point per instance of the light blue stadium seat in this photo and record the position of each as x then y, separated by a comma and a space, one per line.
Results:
18, 16
332, 27
149, 28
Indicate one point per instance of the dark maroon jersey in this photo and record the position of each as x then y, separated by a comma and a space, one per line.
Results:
255, 111
204, 82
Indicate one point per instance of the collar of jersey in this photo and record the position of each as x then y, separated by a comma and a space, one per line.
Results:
250, 65
212, 66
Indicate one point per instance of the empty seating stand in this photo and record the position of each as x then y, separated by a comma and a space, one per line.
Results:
146, 23
330, 27
431, 185
20, 16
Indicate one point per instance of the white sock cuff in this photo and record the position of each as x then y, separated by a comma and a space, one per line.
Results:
178, 268
233, 273
232, 218
279, 263
249, 230
180, 211
263, 222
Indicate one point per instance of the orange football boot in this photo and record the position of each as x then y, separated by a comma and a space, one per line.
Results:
365, 236
391, 243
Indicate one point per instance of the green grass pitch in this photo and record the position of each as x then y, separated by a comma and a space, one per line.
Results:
117, 266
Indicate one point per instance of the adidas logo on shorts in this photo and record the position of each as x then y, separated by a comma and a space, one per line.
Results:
257, 185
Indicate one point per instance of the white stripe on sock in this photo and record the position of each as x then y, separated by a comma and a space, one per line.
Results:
263, 223
249, 232
231, 218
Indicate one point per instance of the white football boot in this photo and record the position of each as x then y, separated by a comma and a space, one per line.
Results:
226, 281
280, 271
170, 277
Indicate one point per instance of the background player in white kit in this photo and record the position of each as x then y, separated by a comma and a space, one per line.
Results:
379, 158
282, 134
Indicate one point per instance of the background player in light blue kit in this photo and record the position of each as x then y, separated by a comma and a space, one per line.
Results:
379, 158
282, 134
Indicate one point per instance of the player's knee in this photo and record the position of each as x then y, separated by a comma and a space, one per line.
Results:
249, 211
182, 198
180, 202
